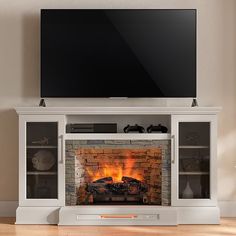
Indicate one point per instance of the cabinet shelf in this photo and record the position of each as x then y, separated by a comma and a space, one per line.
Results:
117, 136
193, 147
193, 173
41, 173
40, 146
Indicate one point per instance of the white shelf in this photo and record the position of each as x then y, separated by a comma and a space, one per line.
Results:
193, 147
41, 173
40, 146
134, 110
118, 136
193, 173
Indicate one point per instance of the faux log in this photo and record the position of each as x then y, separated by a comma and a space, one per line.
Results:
106, 180
104, 188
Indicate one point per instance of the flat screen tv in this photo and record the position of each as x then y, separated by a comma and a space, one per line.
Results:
118, 53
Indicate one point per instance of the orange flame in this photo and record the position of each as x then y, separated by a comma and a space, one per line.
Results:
116, 170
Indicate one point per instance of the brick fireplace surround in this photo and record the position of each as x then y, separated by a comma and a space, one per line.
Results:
145, 160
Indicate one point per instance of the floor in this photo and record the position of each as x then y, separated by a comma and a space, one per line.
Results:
7, 228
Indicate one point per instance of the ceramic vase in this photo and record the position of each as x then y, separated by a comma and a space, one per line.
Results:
188, 192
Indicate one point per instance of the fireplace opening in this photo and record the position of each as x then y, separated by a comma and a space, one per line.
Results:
130, 173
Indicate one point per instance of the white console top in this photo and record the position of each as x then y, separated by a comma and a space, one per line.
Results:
116, 110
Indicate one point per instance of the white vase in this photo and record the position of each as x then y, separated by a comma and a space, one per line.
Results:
188, 192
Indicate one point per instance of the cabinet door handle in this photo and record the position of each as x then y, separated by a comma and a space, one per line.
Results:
62, 149
173, 149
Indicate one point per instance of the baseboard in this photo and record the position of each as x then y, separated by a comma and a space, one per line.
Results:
227, 208
198, 215
8, 208
37, 215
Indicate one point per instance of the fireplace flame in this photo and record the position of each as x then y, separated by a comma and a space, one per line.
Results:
116, 170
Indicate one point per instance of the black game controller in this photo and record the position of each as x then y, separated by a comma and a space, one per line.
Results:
159, 128
134, 128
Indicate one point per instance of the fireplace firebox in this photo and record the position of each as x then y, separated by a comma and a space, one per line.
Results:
117, 172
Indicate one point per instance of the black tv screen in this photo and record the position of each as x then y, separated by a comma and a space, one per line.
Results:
118, 53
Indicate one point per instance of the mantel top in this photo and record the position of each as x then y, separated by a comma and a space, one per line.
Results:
117, 110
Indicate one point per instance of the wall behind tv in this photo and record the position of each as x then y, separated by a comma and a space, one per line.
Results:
19, 76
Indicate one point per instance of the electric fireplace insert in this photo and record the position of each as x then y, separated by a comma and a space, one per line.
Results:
117, 172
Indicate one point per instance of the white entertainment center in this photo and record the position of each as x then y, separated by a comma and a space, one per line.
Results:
192, 134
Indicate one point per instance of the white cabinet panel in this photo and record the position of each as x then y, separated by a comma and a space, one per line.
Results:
41, 168
193, 160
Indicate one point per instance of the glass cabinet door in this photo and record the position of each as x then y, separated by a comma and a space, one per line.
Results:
193, 159
41, 160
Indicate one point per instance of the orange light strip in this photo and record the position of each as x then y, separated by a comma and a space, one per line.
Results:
118, 216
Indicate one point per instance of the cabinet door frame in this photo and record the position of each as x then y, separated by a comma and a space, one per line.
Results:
175, 200
60, 200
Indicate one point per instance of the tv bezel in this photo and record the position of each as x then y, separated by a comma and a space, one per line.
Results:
159, 97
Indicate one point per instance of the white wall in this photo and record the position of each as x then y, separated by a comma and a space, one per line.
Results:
19, 75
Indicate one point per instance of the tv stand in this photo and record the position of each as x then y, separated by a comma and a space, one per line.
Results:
42, 103
194, 103
191, 143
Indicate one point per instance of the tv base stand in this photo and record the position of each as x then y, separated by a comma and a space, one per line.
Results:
42, 103
194, 103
